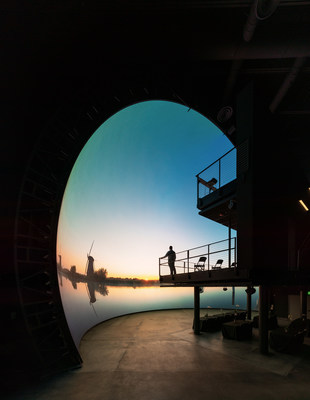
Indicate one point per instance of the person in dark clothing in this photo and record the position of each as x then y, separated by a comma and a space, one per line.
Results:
171, 259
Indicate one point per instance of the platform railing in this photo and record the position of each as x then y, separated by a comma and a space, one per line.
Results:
217, 174
187, 260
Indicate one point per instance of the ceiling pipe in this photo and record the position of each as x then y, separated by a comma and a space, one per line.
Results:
287, 83
250, 24
260, 10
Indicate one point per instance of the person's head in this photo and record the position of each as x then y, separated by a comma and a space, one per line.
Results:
170, 247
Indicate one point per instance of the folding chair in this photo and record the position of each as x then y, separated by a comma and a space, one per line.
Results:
218, 264
200, 266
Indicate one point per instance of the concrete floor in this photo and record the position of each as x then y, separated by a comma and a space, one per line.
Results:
155, 355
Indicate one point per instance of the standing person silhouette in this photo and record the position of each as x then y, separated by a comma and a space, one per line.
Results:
171, 259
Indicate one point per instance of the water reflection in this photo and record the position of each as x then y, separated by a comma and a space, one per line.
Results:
87, 303
96, 286
91, 285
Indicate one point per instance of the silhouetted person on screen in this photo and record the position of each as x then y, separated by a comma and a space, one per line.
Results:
171, 259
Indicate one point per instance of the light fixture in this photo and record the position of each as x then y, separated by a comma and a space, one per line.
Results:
304, 205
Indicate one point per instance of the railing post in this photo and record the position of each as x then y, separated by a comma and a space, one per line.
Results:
159, 266
208, 257
187, 261
197, 189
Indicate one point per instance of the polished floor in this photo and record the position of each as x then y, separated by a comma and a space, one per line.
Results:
156, 356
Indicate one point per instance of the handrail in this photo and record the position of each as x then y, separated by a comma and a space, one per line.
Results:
224, 155
217, 174
214, 251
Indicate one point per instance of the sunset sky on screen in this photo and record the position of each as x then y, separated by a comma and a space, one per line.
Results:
133, 190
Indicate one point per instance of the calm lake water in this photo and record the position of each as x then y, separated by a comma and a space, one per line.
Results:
87, 304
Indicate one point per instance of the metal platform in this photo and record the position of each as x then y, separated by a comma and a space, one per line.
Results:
220, 205
220, 277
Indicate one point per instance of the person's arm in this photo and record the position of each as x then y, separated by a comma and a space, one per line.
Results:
164, 256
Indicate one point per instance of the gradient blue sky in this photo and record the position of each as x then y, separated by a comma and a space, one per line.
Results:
133, 190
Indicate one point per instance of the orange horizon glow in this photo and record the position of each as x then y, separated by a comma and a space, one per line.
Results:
113, 274
130, 276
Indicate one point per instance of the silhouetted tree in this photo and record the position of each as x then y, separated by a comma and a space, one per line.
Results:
101, 273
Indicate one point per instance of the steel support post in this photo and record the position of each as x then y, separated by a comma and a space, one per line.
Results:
263, 319
249, 303
229, 239
196, 310
303, 302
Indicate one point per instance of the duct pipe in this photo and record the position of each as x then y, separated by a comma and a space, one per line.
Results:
260, 11
287, 83
250, 24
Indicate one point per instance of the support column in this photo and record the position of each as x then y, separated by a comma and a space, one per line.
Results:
303, 302
249, 302
263, 319
229, 238
196, 310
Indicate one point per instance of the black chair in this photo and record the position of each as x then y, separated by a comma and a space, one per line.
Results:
291, 338
272, 322
200, 266
211, 323
218, 264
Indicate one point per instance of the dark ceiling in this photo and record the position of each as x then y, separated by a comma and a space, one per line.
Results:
54, 52
205, 50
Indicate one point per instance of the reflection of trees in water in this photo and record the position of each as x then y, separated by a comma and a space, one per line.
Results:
102, 289
92, 286
98, 281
